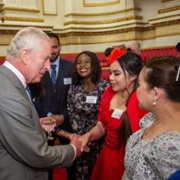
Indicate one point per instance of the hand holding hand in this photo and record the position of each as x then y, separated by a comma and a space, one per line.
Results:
84, 139
77, 144
73, 135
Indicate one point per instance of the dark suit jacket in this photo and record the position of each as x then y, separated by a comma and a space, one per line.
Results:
55, 100
24, 153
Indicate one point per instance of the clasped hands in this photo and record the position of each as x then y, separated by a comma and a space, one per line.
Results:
84, 140
57, 119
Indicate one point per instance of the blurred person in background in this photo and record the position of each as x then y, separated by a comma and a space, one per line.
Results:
135, 47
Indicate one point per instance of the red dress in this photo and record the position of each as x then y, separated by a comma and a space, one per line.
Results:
110, 163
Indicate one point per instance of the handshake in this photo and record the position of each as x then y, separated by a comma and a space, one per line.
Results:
77, 141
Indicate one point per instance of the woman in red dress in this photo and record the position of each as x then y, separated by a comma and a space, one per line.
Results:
119, 114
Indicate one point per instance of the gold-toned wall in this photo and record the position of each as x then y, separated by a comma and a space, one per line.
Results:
94, 25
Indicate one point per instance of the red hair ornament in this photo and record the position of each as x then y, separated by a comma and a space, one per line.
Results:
115, 54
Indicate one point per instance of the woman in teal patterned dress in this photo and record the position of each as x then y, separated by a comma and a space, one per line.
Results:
153, 152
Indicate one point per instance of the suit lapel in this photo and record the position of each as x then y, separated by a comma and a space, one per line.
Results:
14, 80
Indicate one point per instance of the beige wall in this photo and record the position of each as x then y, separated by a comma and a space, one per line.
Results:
94, 25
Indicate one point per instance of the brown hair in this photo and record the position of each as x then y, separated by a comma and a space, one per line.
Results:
163, 72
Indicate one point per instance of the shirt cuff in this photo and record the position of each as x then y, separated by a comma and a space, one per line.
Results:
49, 114
74, 150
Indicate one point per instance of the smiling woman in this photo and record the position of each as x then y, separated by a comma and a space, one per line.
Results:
84, 97
119, 114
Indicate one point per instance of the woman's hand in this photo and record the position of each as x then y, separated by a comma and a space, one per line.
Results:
85, 140
71, 135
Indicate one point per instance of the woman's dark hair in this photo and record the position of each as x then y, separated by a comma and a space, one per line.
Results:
163, 72
95, 65
178, 47
132, 63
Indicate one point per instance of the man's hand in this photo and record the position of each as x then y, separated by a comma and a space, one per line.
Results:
59, 119
77, 144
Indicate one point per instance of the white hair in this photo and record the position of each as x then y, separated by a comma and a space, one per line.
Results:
30, 38
135, 44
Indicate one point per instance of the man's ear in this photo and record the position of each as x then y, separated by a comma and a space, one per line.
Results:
25, 55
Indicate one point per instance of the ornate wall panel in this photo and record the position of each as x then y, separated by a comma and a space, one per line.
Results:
94, 3
170, 30
94, 23
20, 11
5, 39
49, 7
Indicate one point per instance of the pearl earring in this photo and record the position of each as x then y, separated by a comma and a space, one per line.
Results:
154, 102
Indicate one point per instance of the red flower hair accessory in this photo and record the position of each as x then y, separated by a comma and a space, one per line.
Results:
115, 54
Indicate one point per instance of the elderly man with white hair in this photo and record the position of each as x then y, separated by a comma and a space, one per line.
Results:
135, 47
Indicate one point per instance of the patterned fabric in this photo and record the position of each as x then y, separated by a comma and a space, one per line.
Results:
53, 73
147, 120
154, 159
83, 116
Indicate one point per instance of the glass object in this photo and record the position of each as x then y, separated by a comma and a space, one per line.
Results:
48, 125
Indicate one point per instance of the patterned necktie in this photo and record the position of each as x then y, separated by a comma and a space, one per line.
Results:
29, 92
53, 73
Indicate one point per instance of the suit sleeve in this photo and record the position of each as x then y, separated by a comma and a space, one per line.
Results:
23, 138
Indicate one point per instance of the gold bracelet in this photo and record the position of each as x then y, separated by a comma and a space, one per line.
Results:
62, 132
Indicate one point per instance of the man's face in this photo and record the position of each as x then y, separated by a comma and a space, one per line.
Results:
56, 48
38, 63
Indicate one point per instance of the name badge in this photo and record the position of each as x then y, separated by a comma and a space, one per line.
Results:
67, 81
91, 99
117, 113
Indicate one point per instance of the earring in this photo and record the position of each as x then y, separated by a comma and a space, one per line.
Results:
154, 102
